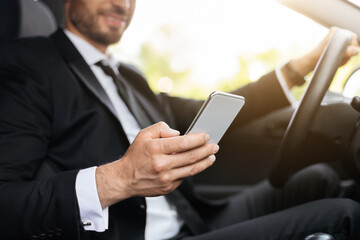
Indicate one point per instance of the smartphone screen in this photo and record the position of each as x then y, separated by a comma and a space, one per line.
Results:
216, 115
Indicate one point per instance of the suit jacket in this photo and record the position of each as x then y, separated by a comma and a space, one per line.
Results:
53, 110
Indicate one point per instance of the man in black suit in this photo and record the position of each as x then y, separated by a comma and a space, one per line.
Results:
66, 108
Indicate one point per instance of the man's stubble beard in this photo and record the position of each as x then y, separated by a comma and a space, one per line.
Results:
87, 24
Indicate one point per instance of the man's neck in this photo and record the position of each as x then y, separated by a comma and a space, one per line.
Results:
100, 47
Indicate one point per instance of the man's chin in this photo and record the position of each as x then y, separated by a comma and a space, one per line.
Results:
107, 40
111, 35
113, 39
108, 37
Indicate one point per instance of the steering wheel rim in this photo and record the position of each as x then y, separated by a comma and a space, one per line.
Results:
286, 163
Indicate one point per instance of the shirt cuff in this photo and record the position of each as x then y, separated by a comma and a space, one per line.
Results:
284, 86
93, 217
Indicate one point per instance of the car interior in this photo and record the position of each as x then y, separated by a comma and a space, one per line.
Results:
325, 127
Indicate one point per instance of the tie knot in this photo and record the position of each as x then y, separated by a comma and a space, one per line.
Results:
108, 70
126, 94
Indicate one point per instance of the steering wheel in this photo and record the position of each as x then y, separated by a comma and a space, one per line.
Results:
286, 162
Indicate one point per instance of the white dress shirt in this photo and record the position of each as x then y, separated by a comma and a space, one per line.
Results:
162, 219
285, 88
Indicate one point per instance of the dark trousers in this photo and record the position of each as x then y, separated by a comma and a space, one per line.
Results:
293, 212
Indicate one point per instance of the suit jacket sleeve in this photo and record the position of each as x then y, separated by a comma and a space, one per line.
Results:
28, 207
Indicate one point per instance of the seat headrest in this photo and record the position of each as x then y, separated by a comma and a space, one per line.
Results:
25, 18
57, 7
36, 19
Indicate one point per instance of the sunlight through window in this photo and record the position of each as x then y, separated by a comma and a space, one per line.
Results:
206, 45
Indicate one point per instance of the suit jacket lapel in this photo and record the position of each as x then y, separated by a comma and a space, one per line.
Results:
81, 69
87, 77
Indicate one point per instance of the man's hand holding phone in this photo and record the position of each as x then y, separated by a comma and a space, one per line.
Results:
159, 158
155, 164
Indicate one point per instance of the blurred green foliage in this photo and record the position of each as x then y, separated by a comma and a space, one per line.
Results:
156, 64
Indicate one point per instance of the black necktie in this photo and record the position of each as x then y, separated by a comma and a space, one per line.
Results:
192, 219
127, 95
184, 209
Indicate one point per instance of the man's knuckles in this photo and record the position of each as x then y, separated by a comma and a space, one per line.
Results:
153, 148
166, 179
184, 144
159, 165
192, 157
194, 170
154, 131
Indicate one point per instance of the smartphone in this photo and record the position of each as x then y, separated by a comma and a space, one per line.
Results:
216, 115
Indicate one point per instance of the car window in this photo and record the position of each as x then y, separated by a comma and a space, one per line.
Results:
191, 47
352, 86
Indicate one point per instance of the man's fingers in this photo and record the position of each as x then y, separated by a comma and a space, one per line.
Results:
183, 143
354, 40
159, 130
353, 48
193, 169
352, 51
182, 159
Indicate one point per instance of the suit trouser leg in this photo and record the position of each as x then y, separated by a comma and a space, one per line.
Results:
312, 183
339, 217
